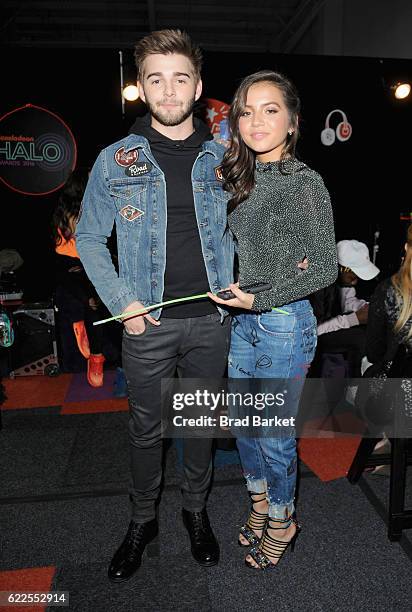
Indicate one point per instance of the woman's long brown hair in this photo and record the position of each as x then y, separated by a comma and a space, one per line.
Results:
68, 205
238, 166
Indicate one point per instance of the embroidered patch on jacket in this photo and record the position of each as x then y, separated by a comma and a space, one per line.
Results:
218, 173
126, 159
130, 213
138, 169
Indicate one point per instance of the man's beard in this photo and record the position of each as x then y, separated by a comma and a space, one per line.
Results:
176, 117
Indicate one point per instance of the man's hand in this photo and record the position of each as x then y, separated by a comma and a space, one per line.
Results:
242, 300
362, 314
136, 324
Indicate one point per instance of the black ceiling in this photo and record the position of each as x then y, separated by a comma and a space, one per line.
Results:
217, 25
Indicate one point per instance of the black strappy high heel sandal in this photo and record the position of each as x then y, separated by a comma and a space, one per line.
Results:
269, 546
256, 520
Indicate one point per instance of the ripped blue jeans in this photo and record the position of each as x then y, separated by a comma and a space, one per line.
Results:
273, 346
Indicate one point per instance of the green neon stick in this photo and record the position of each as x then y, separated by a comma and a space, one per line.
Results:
168, 303
145, 310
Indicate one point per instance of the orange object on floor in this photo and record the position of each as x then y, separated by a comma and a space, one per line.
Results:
80, 332
35, 392
27, 580
95, 370
328, 458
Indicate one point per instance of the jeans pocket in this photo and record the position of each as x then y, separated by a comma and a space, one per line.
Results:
143, 333
277, 324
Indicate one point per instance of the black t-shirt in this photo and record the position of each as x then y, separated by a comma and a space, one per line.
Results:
185, 272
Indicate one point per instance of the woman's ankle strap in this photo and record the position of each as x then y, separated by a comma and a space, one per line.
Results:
280, 523
253, 495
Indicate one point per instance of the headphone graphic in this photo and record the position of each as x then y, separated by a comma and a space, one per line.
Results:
343, 131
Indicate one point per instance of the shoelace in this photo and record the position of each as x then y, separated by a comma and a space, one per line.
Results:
136, 533
134, 539
200, 524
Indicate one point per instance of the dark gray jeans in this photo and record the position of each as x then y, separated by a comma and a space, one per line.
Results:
193, 348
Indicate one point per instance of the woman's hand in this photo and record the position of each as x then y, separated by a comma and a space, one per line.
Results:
242, 300
304, 264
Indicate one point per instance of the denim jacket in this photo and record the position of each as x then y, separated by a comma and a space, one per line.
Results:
126, 186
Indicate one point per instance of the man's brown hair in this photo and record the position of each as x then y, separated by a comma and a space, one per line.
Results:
164, 42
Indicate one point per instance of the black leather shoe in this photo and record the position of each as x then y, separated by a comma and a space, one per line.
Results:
205, 548
128, 557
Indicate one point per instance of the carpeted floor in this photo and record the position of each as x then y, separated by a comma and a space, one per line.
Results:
64, 510
71, 394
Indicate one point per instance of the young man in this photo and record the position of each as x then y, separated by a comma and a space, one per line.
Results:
162, 187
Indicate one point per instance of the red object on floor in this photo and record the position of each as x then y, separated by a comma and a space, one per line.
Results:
95, 370
327, 445
27, 580
328, 458
93, 406
80, 332
35, 391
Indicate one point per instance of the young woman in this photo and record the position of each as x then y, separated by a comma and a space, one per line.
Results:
75, 295
389, 349
280, 213
390, 317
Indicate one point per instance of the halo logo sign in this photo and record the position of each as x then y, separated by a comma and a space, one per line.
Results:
37, 150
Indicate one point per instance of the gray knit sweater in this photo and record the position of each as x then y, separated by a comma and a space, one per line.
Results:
286, 217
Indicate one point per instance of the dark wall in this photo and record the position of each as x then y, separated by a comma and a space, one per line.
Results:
367, 176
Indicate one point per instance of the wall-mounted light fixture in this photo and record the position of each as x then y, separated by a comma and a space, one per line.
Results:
401, 90
130, 93
396, 80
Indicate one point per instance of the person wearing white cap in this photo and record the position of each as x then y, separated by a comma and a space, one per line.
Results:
341, 315
354, 263
355, 255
